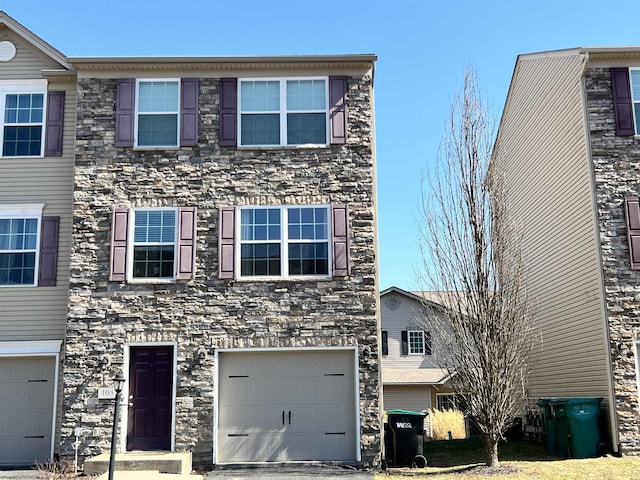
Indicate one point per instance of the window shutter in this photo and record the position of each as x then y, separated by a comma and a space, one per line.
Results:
48, 261
385, 343
125, 112
427, 343
54, 128
340, 240
228, 112
186, 264
338, 110
632, 214
226, 243
189, 92
622, 104
405, 342
119, 234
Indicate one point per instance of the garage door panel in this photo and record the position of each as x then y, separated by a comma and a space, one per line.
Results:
314, 389
26, 409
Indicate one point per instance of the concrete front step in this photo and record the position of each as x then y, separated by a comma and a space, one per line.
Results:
177, 463
148, 475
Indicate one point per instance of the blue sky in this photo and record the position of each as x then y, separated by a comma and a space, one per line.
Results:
422, 48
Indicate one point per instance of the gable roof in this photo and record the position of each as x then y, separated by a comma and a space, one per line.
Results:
27, 35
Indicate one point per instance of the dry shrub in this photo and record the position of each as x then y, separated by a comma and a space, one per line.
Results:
61, 470
445, 421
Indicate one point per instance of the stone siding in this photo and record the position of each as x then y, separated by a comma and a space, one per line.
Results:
208, 313
616, 167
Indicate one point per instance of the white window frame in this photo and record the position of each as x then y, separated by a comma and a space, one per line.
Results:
12, 87
132, 244
416, 333
283, 242
454, 396
137, 113
282, 112
23, 212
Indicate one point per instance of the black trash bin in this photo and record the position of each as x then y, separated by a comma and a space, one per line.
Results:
405, 438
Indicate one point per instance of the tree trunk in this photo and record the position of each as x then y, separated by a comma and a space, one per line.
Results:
491, 447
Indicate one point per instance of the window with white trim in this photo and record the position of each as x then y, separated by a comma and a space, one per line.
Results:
284, 241
23, 116
287, 111
19, 246
157, 112
451, 401
154, 243
416, 342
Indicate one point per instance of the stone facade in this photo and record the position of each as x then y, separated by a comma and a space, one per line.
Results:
616, 163
206, 313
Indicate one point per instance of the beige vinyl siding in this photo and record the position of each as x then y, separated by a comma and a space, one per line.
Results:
406, 397
39, 313
27, 63
543, 148
405, 317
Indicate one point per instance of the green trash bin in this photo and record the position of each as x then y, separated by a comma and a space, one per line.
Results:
561, 425
548, 422
405, 438
582, 417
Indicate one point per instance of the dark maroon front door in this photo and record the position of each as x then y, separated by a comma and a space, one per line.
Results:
150, 395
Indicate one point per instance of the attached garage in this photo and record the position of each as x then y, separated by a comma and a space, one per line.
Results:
27, 393
287, 405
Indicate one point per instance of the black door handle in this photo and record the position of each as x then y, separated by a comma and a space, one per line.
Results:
289, 417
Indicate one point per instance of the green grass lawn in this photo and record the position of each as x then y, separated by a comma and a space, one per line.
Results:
456, 459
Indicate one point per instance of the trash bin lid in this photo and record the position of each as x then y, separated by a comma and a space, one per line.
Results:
406, 412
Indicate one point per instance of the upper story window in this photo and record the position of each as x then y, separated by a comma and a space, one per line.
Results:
23, 116
289, 111
153, 244
416, 342
284, 241
28, 246
157, 113
635, 95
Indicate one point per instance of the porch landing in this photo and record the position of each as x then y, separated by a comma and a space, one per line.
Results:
151, 463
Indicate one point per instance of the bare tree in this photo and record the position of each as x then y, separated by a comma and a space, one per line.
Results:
472, 258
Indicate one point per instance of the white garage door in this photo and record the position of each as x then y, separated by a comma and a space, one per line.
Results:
286, 406
26, 409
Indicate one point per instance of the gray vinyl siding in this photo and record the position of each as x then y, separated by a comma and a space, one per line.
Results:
39, 313
416, 398
405, 317
543, 148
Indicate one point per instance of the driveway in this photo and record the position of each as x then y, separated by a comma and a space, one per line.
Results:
18, 474
302, 472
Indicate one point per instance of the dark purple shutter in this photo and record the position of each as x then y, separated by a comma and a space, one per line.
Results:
228, 112
55, 124
385, 343
404, 342
632, 214
622, 104
338, 109
48, 261
186, 265
125, 112
189, 112
226, 243
119, 234
340, 240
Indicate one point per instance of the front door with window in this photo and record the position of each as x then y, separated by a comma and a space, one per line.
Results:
150, 396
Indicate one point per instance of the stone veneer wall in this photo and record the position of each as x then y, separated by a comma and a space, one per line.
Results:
616, 166
207, 312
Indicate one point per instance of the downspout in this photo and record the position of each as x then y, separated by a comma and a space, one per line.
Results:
613, 416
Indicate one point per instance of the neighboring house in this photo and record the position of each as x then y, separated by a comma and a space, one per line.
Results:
569, 142
412, 378
224, 258
37, 104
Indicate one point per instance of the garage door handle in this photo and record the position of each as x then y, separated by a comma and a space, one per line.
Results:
282, 417
34, 436
289, 417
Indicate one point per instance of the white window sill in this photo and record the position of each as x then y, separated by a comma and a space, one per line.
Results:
151, 281
306, 146
154, 148
301, 278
